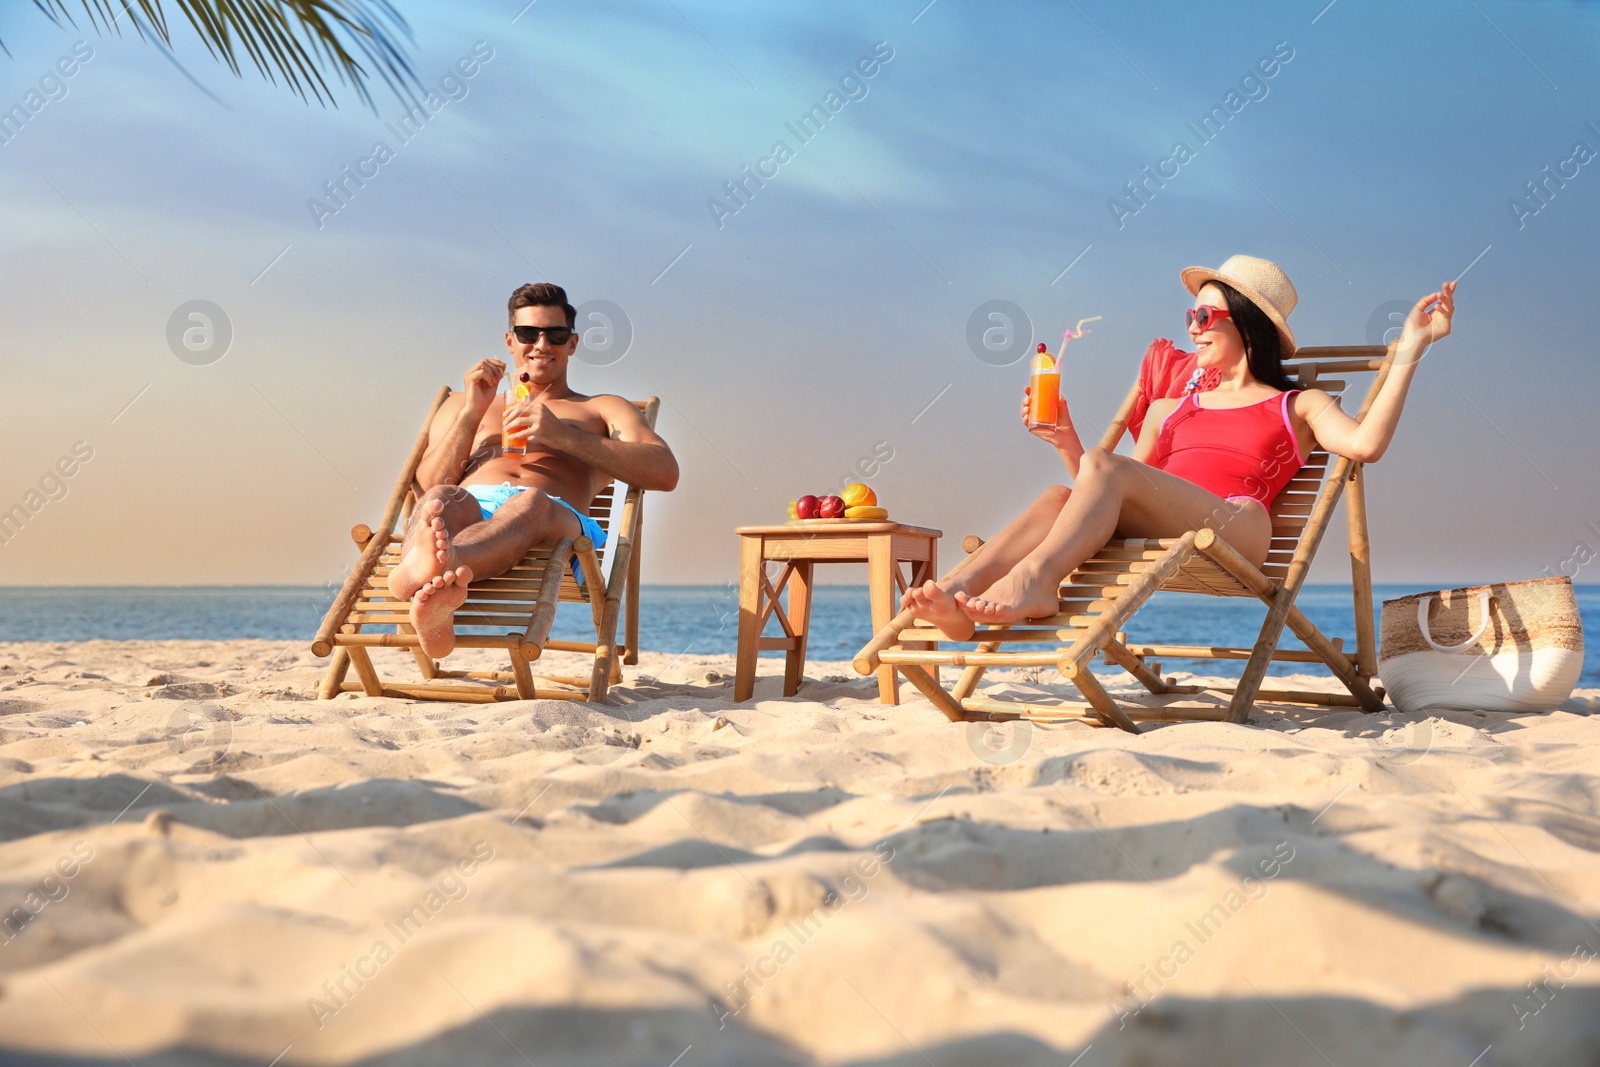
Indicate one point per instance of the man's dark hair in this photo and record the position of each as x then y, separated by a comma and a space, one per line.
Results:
541, 294
1263, 346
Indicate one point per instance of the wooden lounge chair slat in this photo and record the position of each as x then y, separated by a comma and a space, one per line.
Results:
463, 618
405, 640
497, 607
1080, 606
1122, 553
508, 598
571, 681
1029, 633
519, 584
1081, 591
471, 694
1307, 696
909, 657
1105, 569
518, 593
1282, 655
1338, 359
531, 568
1001, 710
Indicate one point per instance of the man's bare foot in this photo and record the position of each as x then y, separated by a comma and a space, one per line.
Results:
934, 605
433, 610
1011, 599
426, 554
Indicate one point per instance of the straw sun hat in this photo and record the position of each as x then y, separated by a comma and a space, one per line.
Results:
1261, 282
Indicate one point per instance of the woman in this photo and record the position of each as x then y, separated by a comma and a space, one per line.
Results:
1213, 459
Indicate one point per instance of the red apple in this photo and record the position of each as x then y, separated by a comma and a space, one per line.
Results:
807, 507
830, 507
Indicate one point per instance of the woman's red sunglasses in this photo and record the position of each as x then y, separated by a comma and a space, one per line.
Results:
1205, 315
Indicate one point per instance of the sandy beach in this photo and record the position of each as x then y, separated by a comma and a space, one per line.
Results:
203, 865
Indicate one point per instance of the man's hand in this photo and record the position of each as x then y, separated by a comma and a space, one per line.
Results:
543, 427
481, 380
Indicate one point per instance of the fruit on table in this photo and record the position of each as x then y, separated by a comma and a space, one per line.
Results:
839, 507
858, 495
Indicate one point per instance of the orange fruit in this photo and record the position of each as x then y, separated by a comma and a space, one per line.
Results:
857, 495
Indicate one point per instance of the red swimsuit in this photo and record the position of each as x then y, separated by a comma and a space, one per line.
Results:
1248, 451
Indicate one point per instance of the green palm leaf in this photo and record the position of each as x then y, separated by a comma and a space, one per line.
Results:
295, 40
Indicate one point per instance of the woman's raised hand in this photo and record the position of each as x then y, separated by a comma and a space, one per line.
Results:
1059, 435
1429, 320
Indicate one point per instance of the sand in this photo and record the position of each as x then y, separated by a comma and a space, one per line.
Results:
202, 865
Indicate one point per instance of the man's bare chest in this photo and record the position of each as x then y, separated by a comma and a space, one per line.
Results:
574, 416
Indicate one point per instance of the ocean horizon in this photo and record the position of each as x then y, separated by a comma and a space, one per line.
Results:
676, 619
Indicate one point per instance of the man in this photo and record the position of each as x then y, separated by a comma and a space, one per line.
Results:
504, 504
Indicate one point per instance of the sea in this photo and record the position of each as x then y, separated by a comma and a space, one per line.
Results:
676, 619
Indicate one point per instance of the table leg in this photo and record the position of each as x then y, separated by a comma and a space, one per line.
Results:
794, 667
750, 569
881, 586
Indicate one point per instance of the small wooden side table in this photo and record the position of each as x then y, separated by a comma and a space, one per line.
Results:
799, 545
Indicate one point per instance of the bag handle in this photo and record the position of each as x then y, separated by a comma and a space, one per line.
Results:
1422, 623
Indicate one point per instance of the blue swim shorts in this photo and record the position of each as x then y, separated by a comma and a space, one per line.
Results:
491, 498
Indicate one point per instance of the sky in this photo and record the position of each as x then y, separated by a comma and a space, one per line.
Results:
832, 313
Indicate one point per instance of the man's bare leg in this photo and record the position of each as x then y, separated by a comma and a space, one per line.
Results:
1115, 494
426, 551
936, 603
484, 549
495, 546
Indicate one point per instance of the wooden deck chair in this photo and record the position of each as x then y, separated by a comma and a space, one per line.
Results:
1100, 596
520, 603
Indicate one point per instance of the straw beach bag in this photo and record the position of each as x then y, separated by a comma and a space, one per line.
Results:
1515, 646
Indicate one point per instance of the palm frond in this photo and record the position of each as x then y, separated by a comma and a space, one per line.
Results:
295, 40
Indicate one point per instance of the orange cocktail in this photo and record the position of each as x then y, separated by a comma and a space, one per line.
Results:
1044, 389
513, 445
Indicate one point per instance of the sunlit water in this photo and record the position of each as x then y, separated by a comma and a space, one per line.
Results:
693, 620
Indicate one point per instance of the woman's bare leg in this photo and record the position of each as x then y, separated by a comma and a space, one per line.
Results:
934, 602
1115, 495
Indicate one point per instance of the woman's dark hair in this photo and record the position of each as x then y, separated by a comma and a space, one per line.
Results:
1262, 345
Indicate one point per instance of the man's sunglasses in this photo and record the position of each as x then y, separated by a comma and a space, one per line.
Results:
1205, 315
556, 335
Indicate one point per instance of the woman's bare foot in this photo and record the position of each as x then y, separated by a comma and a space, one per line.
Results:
433, 610
931, 604
426, 554
1012, 599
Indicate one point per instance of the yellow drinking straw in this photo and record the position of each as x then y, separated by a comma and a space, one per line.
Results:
1078, 330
